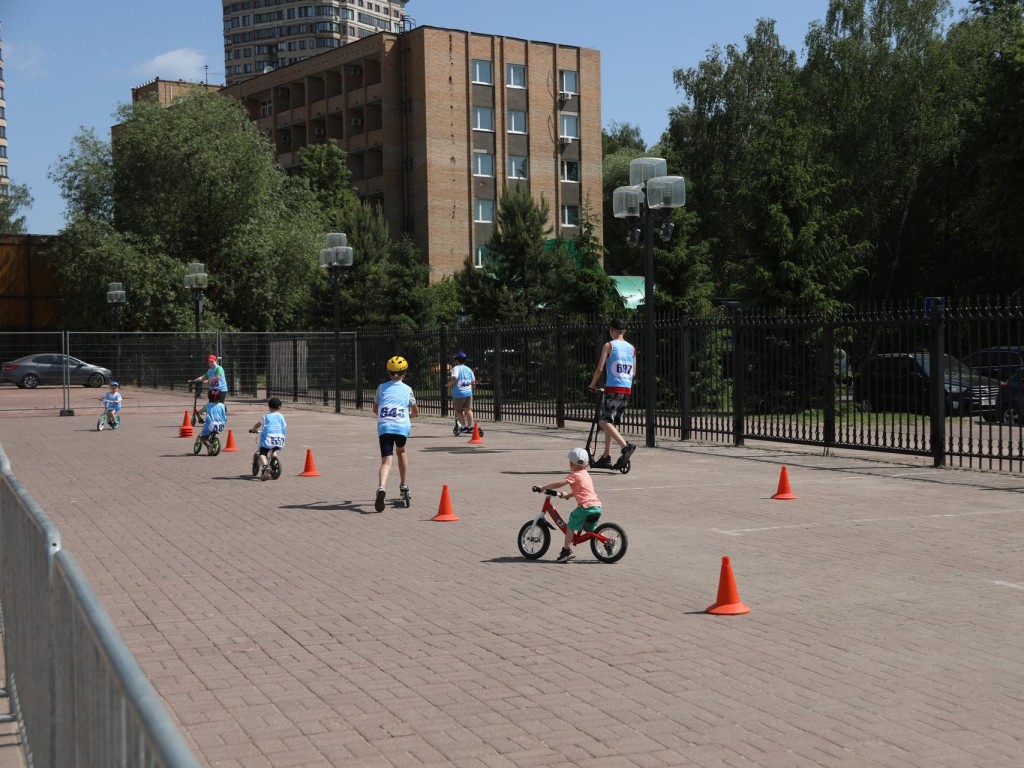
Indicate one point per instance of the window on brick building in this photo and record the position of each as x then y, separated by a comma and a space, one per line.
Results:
483, 119
569, 125
570, 215
516, 76
568, 81
483, 163
516, 121
483, 211
570, 170
481, 256
482, 72
517, 167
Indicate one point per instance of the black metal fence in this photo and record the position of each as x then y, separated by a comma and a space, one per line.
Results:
884, 380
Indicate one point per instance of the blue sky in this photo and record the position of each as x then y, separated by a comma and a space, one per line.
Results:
68, 64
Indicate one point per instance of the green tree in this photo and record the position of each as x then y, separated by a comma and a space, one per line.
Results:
324, 167
523, 276
14, 199
196, 182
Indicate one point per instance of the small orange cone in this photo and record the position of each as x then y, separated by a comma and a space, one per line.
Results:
784, 491
186, 427
230, 445
476, 439
444, 509
310, 469
728, 602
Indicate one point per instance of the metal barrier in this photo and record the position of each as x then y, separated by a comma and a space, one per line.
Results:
78, 695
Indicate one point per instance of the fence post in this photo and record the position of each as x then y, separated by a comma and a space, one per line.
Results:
739, 375
559, 374
498, 354
685, 379
829, 351
65, 343
936, 384
357, 355
295, 370
442, 378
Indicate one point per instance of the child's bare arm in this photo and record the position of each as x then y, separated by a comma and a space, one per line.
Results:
257, 426
554, 486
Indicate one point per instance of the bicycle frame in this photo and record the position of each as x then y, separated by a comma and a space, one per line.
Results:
578, 537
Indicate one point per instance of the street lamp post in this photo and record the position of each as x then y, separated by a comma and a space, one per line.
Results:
649, 189
196, 280
336, 256
116, 300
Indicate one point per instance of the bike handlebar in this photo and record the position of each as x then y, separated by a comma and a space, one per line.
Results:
537, 489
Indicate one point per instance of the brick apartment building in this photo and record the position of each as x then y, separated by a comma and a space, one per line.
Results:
435, 121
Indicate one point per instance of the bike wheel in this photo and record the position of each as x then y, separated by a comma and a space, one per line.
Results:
197, 446
534, 540
275, 468
610, 551
100, 423
255, 463
214, 445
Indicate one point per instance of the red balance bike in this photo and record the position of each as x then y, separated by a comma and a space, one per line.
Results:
608, 541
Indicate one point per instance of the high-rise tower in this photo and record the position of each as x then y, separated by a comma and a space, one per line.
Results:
4, 179
263, 36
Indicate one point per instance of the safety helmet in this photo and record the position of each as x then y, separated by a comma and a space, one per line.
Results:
460, 355
114, 384
398, 364
579, 457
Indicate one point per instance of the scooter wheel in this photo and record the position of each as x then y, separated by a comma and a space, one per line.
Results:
625, 468
194, 418
455, 430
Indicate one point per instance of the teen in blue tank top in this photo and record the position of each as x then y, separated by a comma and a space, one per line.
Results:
618, 362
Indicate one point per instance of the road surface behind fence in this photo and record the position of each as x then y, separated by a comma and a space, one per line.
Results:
285, 624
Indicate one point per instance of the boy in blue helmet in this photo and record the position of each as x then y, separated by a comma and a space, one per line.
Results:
394, 404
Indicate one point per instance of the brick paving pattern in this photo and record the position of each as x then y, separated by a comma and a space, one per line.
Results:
285, 624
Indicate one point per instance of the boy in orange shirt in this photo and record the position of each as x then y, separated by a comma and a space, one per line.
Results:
581, 487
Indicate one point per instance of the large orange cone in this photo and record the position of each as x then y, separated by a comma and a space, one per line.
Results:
230, 445
310, 470
476, 439
444, 509
186, 427
784, 491
728, 602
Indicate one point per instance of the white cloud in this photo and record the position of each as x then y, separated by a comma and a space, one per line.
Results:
179, 64
26, 58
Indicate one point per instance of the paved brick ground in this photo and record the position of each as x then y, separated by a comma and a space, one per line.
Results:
284, 624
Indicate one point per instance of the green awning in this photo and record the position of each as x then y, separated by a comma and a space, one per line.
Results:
630, 289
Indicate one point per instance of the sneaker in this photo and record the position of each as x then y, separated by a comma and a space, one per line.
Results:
265, 474
379, 503
565, 556
626, 453
465, 430
605, 462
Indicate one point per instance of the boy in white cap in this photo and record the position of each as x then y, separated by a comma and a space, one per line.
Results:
581, 486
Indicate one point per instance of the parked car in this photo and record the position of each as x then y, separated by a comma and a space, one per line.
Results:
48, 368
998, 362
901, 381
1010, 403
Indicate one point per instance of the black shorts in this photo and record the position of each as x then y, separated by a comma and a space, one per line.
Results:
612, 408
216, 396
389, 441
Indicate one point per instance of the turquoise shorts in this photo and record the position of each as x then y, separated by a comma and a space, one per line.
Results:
577, 518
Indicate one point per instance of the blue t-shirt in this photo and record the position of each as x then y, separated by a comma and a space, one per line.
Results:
620, 367
216, 418
464, 381
394, 399
274, 430
217, 378
112, 401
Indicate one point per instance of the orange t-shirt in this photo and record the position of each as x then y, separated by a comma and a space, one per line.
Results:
582, 485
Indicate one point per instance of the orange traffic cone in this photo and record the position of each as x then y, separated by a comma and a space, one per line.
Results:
784, 491
728, 602
186, 427
310, 469
476, 439
444, 509
230, 445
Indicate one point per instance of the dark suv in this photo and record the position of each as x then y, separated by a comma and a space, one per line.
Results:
901, 381
998, 362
